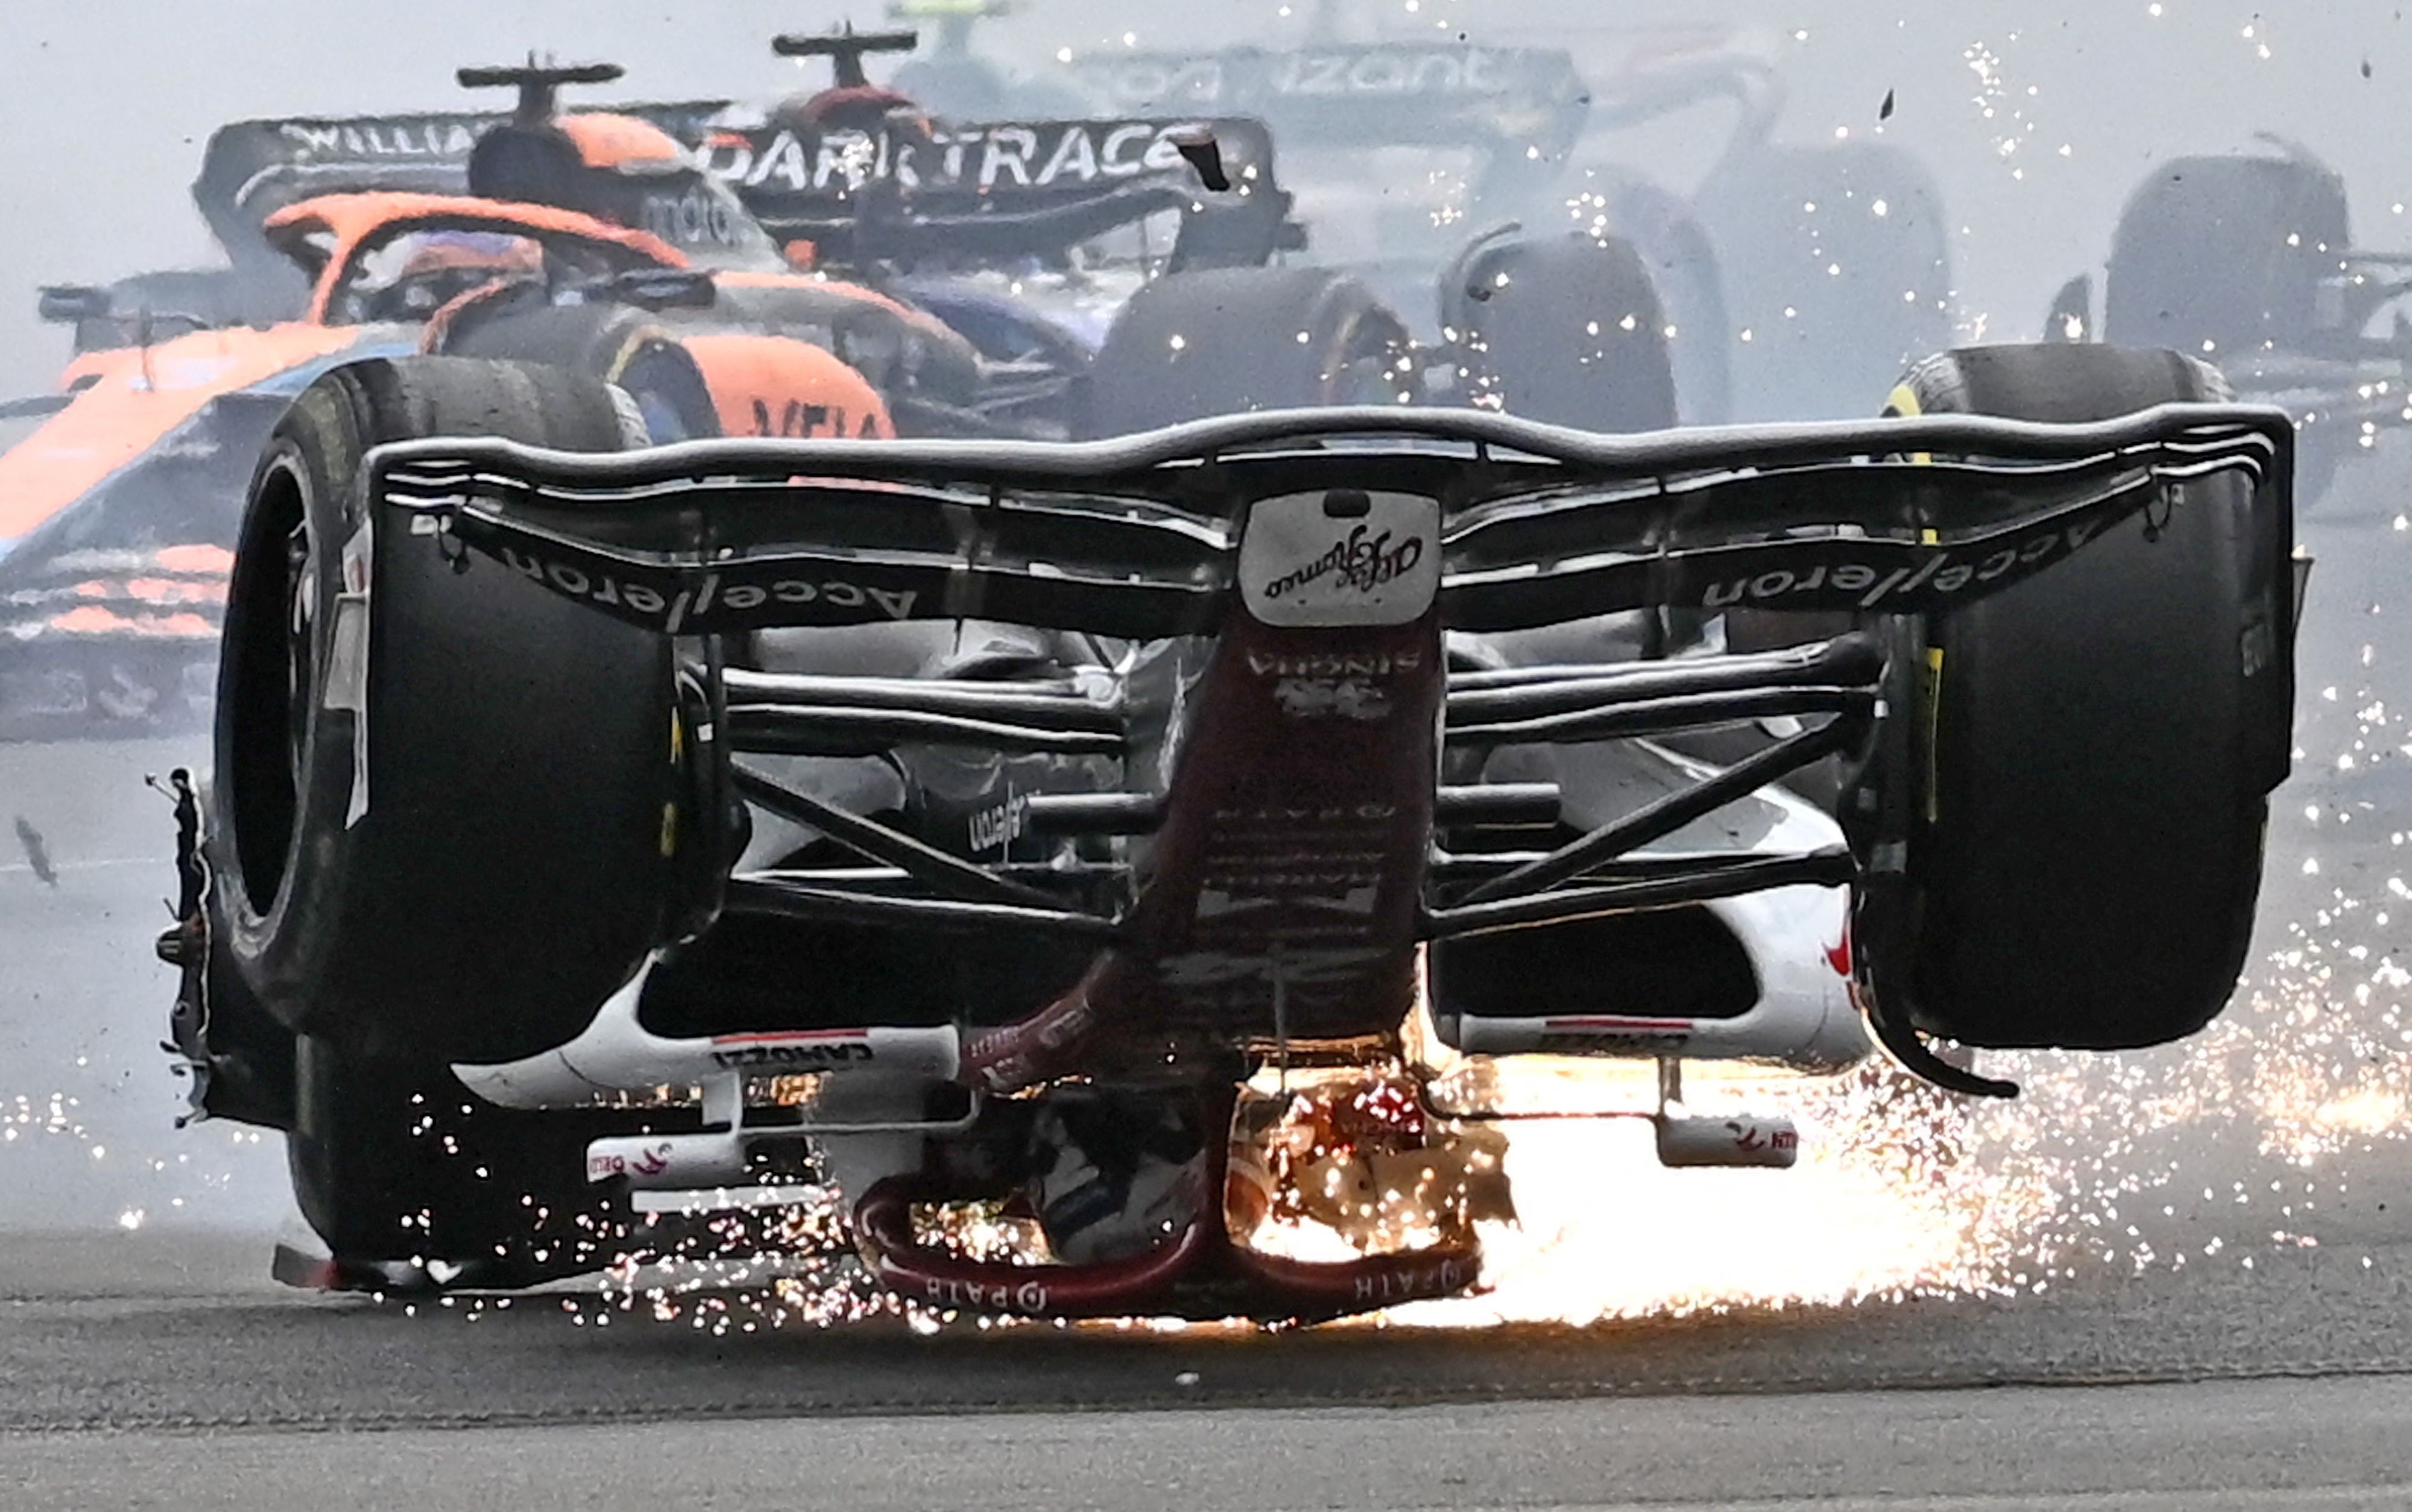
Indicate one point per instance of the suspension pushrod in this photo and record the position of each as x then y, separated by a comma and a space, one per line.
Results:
1663, 816
1832, 867
949, 875
747, 895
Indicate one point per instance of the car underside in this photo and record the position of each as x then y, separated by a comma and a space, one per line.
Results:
1152, 839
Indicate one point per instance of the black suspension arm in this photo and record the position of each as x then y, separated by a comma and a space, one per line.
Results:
949, 875
1656, 820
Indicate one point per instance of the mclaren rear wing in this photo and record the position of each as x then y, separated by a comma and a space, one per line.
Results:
1138, 537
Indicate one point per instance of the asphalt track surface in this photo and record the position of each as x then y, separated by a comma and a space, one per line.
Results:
2180, 1280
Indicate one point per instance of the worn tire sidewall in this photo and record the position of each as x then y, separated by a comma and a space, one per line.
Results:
1238, 328
2092, 875
317, 446
506, 872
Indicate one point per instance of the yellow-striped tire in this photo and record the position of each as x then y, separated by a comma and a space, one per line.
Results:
2096, 746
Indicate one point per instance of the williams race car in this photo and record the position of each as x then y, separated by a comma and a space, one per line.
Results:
1150, 841
1024, 237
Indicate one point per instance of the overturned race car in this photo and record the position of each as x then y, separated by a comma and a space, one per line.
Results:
1121, 834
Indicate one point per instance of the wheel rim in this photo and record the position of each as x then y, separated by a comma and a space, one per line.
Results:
271, 681
300, 664
669, 394
1366, 368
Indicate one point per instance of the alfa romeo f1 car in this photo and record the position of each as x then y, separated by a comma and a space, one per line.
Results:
1152, 839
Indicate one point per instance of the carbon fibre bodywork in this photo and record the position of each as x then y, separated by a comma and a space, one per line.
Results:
1135, 537
1441, 526
1033, 813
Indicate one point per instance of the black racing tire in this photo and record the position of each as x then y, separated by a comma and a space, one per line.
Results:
416, 1184
248, 1075
506, 870
1225, 340
1837, 263
1566, 330
2100, 742
1682, 264
2222, 257
620, 345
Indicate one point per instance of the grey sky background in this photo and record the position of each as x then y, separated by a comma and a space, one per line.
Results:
104, 104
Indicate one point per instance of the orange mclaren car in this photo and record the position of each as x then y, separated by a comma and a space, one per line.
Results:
119, 509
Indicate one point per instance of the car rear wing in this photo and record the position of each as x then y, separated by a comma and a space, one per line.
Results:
910, 192
1400, 93
250, 170
1138, 537
917, 191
